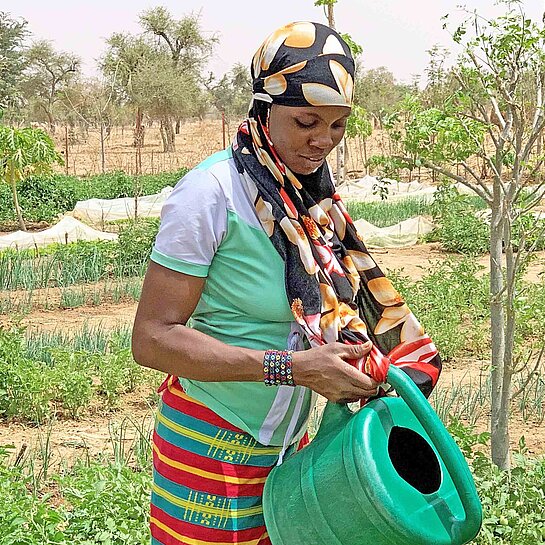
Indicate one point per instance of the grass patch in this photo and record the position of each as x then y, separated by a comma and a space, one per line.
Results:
386, 213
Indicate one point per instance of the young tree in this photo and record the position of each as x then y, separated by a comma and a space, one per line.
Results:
12, 35
125, 57
90, 103
24, 152
160, 72
497, 114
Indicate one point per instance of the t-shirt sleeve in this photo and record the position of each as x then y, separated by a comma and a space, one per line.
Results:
193, 224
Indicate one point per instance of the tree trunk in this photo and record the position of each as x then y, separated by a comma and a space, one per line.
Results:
177, 128
50, 121
167, 134
102, 150
330, 16
499, 428
139, 129
18, 211
340, 163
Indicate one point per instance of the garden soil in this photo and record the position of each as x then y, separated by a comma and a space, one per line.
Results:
90, 436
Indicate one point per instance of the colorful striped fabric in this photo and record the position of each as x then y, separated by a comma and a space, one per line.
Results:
208, 476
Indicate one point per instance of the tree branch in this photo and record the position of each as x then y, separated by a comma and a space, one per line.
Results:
530, 375
461, 179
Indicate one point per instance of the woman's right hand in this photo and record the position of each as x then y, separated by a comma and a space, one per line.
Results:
326, 370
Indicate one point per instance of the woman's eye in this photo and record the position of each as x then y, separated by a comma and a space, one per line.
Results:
304, 125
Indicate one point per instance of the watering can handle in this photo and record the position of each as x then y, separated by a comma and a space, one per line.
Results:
441, 439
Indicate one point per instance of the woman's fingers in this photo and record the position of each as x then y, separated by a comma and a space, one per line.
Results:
353, 351
329, 371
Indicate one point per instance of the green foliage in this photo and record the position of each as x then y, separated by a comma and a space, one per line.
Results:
388, 166
385, 213
25, 517
358, 125
451, 301
59, 265
355, 48
92, 339
24, 387
24, 152
529, 233
44, 198
135, 243
12, 35
458, 227
95, 502
33, 390
377, 91
530, 309
232, 94
64, 265
109, 504
71, 382
513, 512
437, 136
118, 373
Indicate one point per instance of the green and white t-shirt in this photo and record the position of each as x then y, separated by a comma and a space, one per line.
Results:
209, 228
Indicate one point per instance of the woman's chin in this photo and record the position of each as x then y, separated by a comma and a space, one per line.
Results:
307, 168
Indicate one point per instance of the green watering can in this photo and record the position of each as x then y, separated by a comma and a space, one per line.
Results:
388, 474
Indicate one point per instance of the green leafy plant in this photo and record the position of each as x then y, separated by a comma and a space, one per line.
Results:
24, 385
458, 227
71, 381
512, 501
451, 301
24, 152
134, 244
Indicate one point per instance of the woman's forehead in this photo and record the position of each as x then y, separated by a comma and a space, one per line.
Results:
319, 112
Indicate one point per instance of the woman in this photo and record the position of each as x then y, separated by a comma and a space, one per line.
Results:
259, 295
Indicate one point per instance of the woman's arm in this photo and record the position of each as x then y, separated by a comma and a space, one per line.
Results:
161, 340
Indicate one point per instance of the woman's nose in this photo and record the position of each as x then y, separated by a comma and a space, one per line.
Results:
323, 140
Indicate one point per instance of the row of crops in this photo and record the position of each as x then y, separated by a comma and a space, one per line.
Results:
451, 299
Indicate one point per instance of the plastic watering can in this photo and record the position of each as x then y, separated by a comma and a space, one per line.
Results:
388, 474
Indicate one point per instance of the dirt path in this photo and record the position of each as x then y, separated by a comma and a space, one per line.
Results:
108, 316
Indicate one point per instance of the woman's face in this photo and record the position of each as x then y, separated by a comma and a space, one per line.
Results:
304, 136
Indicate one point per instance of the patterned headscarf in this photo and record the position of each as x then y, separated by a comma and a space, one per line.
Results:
335, 289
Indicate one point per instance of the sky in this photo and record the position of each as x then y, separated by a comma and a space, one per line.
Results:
393, 33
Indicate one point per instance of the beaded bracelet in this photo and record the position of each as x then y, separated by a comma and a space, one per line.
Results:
277, 368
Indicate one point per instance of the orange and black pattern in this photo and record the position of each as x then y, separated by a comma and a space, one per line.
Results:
335, 289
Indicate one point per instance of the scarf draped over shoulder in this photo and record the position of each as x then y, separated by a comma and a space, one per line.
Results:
335, 289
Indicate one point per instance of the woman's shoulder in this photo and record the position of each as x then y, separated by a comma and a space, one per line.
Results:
215, 178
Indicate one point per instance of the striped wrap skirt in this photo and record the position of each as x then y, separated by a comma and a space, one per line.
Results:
208, 476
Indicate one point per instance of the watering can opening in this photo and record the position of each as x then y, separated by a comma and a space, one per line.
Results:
414, 460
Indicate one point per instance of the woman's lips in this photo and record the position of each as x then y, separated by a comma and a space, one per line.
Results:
313, 159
